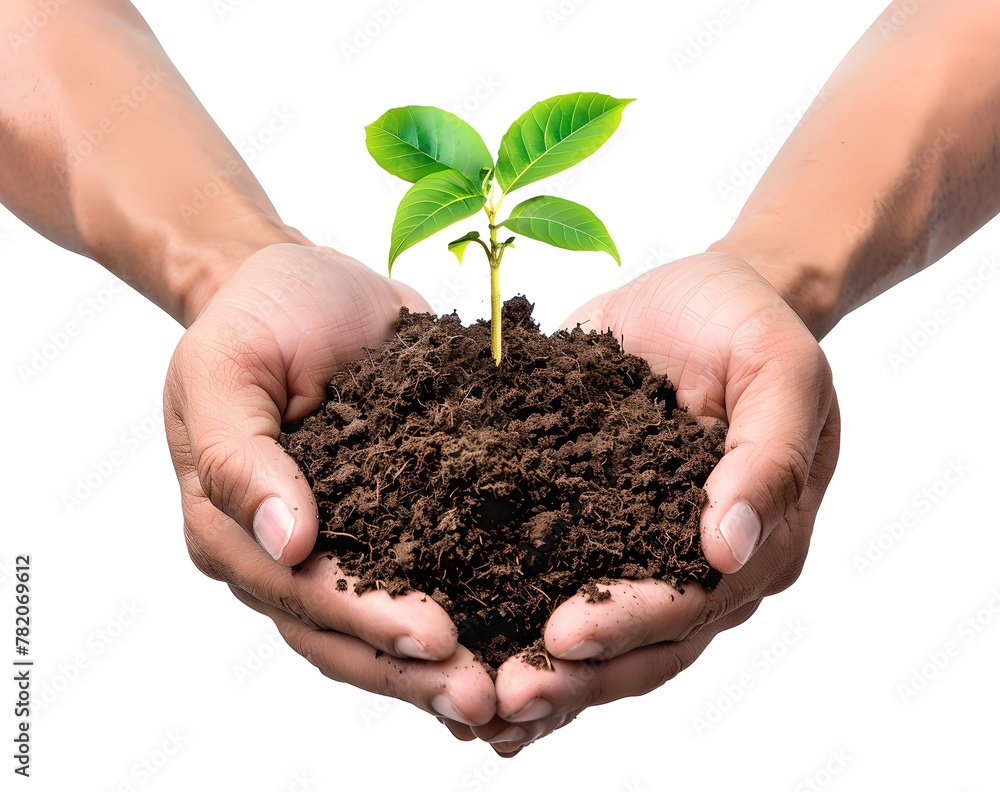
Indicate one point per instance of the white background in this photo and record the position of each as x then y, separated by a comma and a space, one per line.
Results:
176, 668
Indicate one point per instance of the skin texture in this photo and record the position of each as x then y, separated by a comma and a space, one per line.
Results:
111, 200
735, 351
895, 164
269, 315
261, 353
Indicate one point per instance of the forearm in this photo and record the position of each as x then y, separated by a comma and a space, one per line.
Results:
895, 164
107, 151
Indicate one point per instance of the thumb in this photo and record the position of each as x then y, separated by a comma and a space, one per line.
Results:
775, 423
224, 409
235, 379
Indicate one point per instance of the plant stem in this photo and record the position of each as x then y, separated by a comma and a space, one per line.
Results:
494, 255
495, 323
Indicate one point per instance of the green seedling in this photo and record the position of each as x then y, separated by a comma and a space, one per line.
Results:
454, 176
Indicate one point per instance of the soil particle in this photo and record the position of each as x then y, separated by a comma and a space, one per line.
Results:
593, 593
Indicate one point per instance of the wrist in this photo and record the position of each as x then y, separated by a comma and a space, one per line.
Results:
811, 283
199, 265
180, 266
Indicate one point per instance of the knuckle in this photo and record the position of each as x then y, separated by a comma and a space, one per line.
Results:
793, 468
290, 602
267, 581
597, 689
784, 473
586, 684
203, 561
723, 600
316, 658
389, 681
224, 470
786, 574
670, 665
582, 685
305, 642
642, 615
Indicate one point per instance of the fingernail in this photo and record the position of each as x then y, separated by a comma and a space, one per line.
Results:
582, 651
513, 734
444, 706
272, 524
408, 646
535, 709
741, 530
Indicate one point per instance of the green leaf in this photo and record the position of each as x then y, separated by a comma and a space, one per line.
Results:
556, 134
414, 142
459, 245
434, 202
561, 223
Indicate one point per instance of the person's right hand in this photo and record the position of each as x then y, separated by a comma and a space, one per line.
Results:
261, 354
736, 352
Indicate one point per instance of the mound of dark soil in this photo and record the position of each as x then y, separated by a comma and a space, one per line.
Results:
502, 490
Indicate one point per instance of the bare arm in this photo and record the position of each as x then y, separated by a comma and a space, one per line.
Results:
107, 151
896, 165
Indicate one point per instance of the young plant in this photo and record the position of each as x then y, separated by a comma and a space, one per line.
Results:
454, 176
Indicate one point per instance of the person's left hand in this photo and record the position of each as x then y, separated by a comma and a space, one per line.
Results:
735, 351
262, 353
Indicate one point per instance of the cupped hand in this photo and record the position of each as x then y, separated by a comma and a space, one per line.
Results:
261, 354
735, 352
